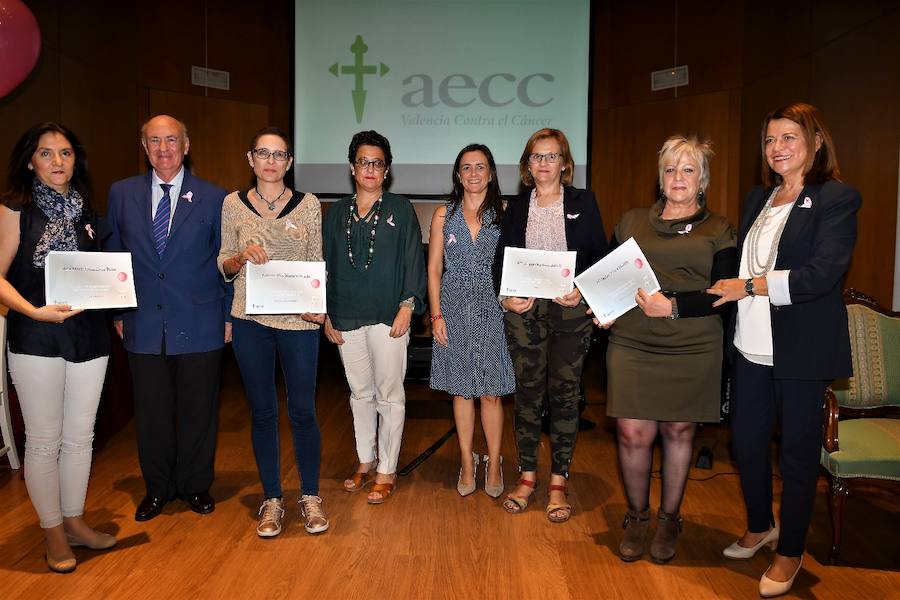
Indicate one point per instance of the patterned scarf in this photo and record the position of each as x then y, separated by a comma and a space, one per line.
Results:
62, 213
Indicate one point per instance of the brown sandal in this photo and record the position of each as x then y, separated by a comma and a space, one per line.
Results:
360, 479
517, 504
385, 489
559, 513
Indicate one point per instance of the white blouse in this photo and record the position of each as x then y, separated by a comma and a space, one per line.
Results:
753, 334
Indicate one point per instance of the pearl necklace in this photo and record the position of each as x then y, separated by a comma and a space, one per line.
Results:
271, 204
354, 210
757, 267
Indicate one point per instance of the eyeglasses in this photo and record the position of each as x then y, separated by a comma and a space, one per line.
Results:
365, 163
550, 157
265, 153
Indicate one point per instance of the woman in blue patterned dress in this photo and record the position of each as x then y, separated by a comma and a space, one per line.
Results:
470, 357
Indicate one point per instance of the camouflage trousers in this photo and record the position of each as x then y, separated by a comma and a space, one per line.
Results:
548, 344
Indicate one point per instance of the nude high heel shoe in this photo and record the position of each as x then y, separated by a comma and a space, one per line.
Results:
494, 491
466, 489
735, 550
769, 587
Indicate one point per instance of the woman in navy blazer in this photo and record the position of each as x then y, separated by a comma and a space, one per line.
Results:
548, 339
790, 331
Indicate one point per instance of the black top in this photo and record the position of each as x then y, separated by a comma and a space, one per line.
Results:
79, 338
584, 229
296, 198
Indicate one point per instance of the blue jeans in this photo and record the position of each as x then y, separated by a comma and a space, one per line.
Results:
254, 348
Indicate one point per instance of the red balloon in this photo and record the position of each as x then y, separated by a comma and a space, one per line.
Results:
20, 44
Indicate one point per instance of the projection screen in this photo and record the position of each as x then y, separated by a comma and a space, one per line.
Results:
433, 76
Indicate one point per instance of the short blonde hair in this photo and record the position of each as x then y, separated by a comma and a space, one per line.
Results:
700, 149
567, 162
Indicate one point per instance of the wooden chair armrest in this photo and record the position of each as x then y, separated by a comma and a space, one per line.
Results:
831, 422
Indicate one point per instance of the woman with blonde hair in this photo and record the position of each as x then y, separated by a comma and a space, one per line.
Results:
664, 359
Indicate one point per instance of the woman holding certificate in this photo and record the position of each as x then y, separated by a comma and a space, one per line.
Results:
664, 359
376, 281
548, 339
469, 356
57, 356
271, 222
796, 240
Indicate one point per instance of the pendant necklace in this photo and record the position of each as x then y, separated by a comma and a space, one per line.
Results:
354, 211
271, 204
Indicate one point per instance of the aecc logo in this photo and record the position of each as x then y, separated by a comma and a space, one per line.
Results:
456, 90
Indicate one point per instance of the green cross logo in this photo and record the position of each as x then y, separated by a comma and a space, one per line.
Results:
358, 70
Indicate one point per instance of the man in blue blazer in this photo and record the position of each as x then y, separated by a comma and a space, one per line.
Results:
170, 221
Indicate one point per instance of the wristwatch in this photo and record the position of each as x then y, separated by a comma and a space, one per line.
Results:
748, 287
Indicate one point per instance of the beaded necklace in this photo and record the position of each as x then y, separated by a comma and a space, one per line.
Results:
757, 267
354, 210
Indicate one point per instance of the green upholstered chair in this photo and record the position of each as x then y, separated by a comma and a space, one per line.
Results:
864, 451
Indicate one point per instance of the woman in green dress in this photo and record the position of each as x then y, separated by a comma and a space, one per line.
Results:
665, 355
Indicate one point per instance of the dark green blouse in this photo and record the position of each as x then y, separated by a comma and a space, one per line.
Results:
358, 296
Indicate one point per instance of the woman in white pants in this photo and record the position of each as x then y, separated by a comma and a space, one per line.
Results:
376, 281
57, 356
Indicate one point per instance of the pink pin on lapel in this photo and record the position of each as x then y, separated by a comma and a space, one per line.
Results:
807, 203
189, 196
451, 239
90, 230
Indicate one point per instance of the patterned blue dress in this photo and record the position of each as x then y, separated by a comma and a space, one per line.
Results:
477, 362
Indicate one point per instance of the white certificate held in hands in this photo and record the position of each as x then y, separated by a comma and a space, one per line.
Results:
282, 287
609, 287
537, 273
89, 279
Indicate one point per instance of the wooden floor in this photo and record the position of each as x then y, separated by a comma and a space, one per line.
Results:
426, 541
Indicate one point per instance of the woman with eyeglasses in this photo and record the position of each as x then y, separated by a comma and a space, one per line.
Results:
272, 222
376, 281
548, 339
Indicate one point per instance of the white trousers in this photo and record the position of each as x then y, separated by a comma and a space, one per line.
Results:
59, 405
375, 365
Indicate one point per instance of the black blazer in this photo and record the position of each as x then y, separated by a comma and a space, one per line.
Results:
809, 336
584, 229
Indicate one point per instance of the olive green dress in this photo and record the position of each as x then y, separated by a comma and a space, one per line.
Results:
662, 369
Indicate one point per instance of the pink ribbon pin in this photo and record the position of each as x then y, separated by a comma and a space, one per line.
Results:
807, 203
288, 224
451, 239
687, 229
90, 230
188, 196
390, 221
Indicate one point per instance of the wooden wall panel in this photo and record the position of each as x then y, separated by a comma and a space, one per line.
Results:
859, 99
219, 130
639, 131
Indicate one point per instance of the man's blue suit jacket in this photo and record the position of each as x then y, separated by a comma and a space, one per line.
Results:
182, 298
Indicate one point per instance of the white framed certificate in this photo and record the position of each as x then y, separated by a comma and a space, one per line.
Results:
610, 285
283, 287
89, 280
537, 273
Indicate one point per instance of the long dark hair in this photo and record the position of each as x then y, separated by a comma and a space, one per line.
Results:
492, 197
19, 177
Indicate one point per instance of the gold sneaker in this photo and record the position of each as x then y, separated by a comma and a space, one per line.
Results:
311, 512
270, 515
